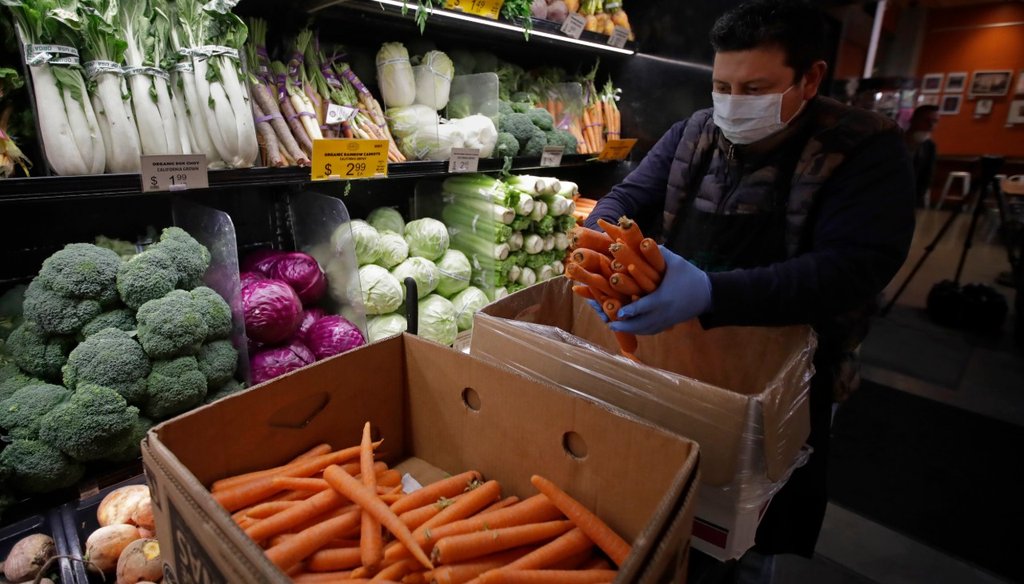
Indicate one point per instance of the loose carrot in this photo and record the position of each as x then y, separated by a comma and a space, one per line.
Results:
417, 517
294, 550
336, 543
314, 451
627, 341
448, 487
389, 478
295, 484
465, 506
584, 291
368, 500
291, 496
597, 563
371, 546
613, 230
297, 468
590, 524
330, 560
646, 284
589, 259
623, 284
506, 502
590, 239
631, 234
264, 510
459, 548
570, 544
322, 578
652, 254
298, 514
462, 573
395, 571
577, 274
628, 255
552, 576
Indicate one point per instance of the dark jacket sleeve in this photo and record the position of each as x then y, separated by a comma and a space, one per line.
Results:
862, 228
645, 187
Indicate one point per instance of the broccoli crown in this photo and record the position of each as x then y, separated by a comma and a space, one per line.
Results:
171, 326
535, 146
215, 311
37, 467
218, 361
520, 126
521, 106
505, 109
190, 258
225, 390
507, 145
119, 318
55, 313
562, 138
175, 386
82, 270
147, 276
541, 118
38, 354
110, 358
12, 379
21, 413
128, 449
90, 425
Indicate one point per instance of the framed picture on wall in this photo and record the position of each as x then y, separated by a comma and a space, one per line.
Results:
990, 83
955, 82
1016, 115
950, 104
983, 107
1019, 90
928, 99
932, 82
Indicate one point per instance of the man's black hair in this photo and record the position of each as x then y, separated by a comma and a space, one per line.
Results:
923, 110
792, 25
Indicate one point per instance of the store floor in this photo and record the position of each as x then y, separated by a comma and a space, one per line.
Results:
980, 377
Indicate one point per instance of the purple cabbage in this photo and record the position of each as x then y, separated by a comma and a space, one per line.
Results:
276, 361
303, 274
332, 335
272, 311
261, 261
247, 278
309, 316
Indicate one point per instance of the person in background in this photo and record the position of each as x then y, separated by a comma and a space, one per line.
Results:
778, 207
918, 140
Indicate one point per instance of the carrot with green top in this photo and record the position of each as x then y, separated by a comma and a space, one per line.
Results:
596, 530
468, 546
466, 506
448, 487
421, 515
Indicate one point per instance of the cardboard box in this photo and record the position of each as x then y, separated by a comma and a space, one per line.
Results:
436, 409
740, 392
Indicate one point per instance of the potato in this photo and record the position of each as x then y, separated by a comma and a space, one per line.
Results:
120, 504
143, 515
140, 562
104, 546
28, 556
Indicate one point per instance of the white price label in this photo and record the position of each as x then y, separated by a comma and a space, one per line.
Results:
337, 114
574, 25
619, 37
464, 160
174, 173
552, 156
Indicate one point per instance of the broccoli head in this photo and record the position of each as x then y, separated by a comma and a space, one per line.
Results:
505, 109
225, 390
119, 318
147, 276
535, 145
171, 326
38, 354
55, 313
507, 145
562, 138
129, 448
110, 358
37, 467
522, 105
12, 379
541, 118
91, 424
218, 361
520, 126
215, 311
21, 413
84, 271
175, 386
190, 258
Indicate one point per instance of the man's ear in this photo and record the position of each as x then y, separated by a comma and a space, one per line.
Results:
813, 78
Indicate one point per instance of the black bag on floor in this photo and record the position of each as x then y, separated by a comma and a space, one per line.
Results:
974, 306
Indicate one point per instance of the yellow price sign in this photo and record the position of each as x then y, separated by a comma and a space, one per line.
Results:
486, 8
617, 149
342, 158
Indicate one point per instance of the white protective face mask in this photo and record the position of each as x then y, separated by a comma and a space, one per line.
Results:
745, 119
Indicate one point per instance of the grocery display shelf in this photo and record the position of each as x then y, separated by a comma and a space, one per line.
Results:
105, 185
543, 31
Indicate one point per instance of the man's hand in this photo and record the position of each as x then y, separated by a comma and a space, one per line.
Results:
684, 292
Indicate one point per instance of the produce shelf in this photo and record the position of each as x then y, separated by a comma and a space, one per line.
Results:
106, 185
543, 31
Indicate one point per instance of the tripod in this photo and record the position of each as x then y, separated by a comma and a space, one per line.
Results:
988, 185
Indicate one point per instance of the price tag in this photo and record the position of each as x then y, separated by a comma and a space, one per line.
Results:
617, 149
337, 114
619, 37
174, 173
552, 156
574, 25
344, 159
486, 8
464, 160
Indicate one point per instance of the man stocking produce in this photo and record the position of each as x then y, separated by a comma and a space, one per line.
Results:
781, 207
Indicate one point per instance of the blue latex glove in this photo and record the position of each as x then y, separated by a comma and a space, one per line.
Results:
597, 308
684, 292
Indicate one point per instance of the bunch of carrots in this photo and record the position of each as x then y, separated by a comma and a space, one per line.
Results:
340, 516
584, 207
614, 268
